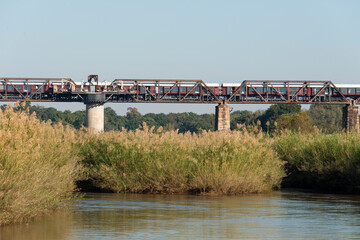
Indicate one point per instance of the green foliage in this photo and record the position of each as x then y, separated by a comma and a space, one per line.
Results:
75, 119
274, 112
327, 118
184, 122
329, 162
296, 122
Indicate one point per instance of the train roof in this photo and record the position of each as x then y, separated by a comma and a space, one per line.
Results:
231, 84
212, 84
347, 85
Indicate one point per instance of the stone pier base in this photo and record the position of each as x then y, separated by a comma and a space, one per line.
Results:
351, 118
222, 117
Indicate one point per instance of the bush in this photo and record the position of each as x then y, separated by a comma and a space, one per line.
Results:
37, 166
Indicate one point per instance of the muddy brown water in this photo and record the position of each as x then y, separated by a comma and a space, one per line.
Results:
277, 215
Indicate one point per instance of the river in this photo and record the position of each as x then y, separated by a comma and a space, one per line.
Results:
276, 215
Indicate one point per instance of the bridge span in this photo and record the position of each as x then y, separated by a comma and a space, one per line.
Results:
95, 94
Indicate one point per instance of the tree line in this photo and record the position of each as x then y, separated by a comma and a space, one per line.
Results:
327, 118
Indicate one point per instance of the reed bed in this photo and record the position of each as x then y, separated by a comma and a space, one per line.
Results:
38, 166
326, 162
145, 161
41, 162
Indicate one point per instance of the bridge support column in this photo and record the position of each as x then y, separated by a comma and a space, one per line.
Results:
222, 117
95, 117
95, 111
351, 118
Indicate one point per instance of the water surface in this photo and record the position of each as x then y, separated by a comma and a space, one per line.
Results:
277, 215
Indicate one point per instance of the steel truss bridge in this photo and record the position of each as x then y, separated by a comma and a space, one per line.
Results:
174, 91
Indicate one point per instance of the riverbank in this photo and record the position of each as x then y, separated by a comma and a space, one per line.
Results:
245, 161
42, 164
321, 162
148, 161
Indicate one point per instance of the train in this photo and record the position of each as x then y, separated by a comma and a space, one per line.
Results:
47, 89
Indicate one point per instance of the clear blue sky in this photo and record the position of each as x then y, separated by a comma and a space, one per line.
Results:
216, 41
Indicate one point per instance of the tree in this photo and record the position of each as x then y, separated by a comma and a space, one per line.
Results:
112, 120
133, 119
299, 122
274, 112
328, 118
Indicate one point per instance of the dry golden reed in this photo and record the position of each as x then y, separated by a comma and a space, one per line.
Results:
167, 161
37, 166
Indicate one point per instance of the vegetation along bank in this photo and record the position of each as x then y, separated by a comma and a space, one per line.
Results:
41, 162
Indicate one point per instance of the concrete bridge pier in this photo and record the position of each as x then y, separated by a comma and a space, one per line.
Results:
351, 118
95, 117
95, 111
222, 117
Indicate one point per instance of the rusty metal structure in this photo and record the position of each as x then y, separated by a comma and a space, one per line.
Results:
174, 91
300, 92
160, 90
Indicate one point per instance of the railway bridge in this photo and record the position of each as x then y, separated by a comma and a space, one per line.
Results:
95, 94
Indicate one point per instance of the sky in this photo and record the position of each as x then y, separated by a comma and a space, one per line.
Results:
216, 41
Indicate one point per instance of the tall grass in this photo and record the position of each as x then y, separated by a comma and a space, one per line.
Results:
40, 162
328, 162
169, 162
37, 166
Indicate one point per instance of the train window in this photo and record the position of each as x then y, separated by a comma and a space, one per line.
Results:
19, 87
197, 90
242, 90
293, 90
343, 90
351, 90
2, 87
175, 90
316, 90
358, 90
10, 87
259, 89
183, 89
282, 90
166, 89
